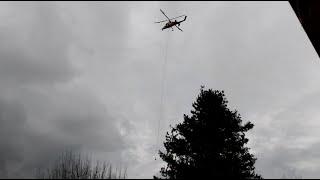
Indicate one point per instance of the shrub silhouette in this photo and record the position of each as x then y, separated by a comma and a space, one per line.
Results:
70, 165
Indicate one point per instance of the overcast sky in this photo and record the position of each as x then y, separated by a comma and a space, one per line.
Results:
88, 76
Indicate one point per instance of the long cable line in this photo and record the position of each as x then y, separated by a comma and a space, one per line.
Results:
164, 67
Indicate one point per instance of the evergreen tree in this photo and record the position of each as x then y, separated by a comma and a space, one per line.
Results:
209, 143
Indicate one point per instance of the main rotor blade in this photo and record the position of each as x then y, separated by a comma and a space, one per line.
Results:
164, 14
177, 17
178, 28
170, 19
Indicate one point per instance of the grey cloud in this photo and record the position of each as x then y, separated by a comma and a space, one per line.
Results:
34, 46
87, 76
43, 115
77, 122
260, 56
12, 123
95, 130
289, 141
280, 160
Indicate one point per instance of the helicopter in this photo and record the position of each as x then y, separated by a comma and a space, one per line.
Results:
170, 23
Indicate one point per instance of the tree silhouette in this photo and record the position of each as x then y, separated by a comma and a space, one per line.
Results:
209, 143
70, 165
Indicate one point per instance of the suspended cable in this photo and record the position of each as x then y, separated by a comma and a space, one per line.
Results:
163, 79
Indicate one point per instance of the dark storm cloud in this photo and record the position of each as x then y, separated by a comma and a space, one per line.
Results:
12, 123
34, 46
78, 122
33, 50
68, 121
87, 122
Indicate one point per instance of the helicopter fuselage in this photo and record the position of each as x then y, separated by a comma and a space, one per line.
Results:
170, 24
173, 23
